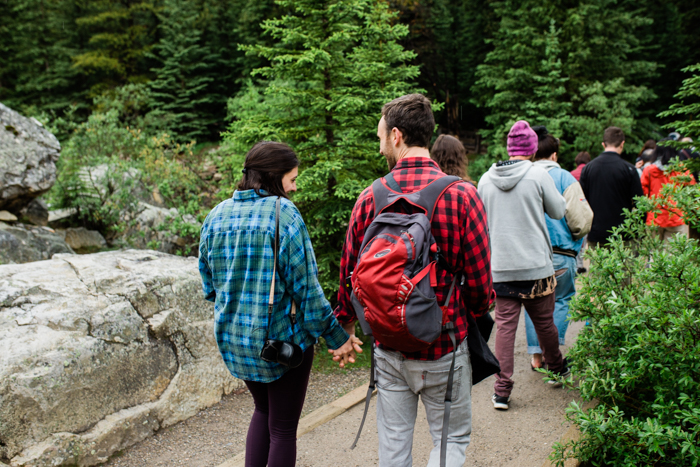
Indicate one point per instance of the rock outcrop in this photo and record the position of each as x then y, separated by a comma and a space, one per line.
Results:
28, 155
81, 239
99, 351
143, 228
21, 243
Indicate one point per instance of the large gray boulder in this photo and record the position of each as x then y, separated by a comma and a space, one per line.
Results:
81, 239
28, 155
99, 351
20, 243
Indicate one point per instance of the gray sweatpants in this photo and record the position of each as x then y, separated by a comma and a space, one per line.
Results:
400, 382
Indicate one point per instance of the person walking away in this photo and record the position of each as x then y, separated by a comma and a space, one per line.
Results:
566, 236
582, 158
450, 155
644, 157
459, 227
690, 153
516, 195
669, 221
610, 185
258, 266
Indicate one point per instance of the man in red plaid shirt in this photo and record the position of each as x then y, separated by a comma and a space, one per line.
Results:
460, 230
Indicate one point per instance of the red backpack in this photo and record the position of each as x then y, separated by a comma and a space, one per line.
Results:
392, 285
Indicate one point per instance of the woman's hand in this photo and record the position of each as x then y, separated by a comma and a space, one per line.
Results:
346, 353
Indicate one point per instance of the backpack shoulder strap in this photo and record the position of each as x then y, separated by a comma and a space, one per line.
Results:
392, 183
386, 191
380, 194
429, 196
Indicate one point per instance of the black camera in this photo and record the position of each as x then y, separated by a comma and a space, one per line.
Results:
285, 353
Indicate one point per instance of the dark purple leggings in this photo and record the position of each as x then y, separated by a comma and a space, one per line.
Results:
272, 435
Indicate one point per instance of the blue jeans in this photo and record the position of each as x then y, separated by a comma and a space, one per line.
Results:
564, 291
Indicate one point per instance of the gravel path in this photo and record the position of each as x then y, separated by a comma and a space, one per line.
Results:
218, 433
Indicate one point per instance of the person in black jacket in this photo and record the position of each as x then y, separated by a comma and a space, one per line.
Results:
610, 185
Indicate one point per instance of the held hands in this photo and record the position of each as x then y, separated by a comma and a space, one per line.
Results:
346, 353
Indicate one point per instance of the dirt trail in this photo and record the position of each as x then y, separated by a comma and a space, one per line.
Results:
218, 433
520, 437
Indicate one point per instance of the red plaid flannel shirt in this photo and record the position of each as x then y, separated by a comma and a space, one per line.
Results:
460, 230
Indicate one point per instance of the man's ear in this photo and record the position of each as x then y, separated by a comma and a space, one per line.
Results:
603, 144
398, 136
554, 157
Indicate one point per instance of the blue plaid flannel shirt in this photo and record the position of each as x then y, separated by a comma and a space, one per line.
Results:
236, 252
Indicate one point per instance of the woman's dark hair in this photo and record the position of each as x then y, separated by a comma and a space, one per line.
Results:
540, 131
664, 154
450, 155
265, 165
582, 158
547, 146
649, 144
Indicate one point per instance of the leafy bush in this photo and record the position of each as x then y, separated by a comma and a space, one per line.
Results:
108, 167
639, 355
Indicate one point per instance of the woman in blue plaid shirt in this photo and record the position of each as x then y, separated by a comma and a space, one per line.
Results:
236, 256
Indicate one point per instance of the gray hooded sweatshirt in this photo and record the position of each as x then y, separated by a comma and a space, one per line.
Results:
516, 196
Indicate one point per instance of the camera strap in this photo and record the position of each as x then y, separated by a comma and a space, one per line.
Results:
271, 301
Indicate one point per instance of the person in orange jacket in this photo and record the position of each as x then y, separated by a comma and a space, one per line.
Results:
670, 220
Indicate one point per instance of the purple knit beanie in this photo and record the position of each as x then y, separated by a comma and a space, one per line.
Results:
522, 140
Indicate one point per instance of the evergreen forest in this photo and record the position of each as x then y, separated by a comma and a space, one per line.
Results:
164, 97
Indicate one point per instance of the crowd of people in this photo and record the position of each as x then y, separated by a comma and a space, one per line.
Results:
426, 254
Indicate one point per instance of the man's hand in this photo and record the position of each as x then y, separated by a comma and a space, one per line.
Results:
346, 353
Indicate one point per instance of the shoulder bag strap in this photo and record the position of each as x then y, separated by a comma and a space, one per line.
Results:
271, 301
450, 327
370, 390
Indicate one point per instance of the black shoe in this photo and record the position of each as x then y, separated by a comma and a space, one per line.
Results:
564, 373
581, 271
500, 402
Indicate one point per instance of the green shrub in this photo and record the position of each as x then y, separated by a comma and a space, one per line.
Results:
639, 355
108, 166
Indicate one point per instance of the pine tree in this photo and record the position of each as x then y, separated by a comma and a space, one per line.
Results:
610, 71
688, 109
333, 66
120, 35
225, 24
573, 66
183, 91
549, 107
41, 39
521, 77
448, 38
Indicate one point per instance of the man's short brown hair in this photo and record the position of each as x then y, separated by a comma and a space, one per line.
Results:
613, 136
582, 158
413, 116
